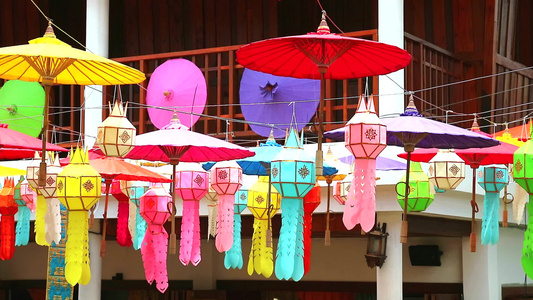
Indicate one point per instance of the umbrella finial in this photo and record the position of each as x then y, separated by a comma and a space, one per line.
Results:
49, 30
361, 107
411, 110
475, 125
370, 105
329, 154
271, 136
175, 123
323, 28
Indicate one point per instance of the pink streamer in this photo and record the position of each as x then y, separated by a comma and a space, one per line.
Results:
196, 249
360, 207
190, 233
154, 254
123, 233
224, 239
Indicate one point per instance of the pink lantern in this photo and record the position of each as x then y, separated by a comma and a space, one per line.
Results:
226, 179
123, 233
28, 195
365, 137
192, 183
154, 207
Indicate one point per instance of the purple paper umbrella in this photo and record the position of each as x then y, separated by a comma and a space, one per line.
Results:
267, 99
177, 85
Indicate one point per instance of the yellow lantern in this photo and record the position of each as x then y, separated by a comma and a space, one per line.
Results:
78, 188
116, 134
261, 255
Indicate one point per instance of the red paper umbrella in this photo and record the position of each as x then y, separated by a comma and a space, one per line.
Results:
322, 55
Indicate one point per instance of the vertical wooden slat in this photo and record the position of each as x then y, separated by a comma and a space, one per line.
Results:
503, 22
142, 99
345, 100
219, 90
328, 104
175, 25
510, 38
231, 93
206, 75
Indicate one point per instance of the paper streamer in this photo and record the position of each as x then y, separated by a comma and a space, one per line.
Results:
123, 234
308, 223
224, 239
77, 268
132, 220
527, 248
154, 254
490, 227
360, 206
190, 233
23, 226
40, 223
52, 221
519, 203
57, 286
212, 211
140, 230
233, 258
261, 259
7, 237
289, 260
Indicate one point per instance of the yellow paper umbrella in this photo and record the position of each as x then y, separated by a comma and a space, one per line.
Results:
50, 61
261, 255
78, 188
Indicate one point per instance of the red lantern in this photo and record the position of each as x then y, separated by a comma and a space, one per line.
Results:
311, 202
8, 209
123, 233
155, 208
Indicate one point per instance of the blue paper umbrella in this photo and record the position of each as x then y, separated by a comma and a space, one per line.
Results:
492, 180
265, 98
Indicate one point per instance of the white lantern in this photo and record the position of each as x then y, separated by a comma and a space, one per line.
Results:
446, 170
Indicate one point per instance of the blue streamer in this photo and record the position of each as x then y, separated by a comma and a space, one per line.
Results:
233, 258
490, 227
299, 269
140, 230
23, 226
285, 255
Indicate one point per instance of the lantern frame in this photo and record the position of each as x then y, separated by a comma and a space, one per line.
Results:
116, 134
446, 170
226, 177
153, 207
195, 188
376, 250
259, 208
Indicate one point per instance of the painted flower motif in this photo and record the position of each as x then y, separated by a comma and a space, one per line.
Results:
275, 172
499, 174
50, 180
124, 136
518, 166
222, 174
480, 174
150, 203
304, 171
88, 185
430, 170
259, 199
454, 169
198, 180
100, 136
243, 197
60, 186
370, 134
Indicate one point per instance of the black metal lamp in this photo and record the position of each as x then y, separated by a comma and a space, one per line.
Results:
377, 246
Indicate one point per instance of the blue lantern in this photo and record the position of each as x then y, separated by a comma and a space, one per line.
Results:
293, 175
492, 180
233, 258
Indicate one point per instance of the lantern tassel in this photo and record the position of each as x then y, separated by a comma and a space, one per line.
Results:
140, 230
123, 233
40, 227
308, 219
299, 269
490, 228
286, 253
233, 258
212, 220
226, 209
154, 255
132, 220
77, 262
7, 239
527, 248
187, 232
360, 207
52, 221
261, 259
196, 257
23, 226
519, 203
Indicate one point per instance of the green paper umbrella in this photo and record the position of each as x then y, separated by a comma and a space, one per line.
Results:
420, 196
22, 106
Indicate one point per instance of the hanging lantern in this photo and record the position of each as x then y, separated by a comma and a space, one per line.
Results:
32, 176
116, 135
155, 209
212, 209
78, 189
419, 194
137, 190
28, 195
293, 175
22, 231
226, 179
376, 251
311, 202
492, 180
123, 234
446, 170
261, 255
523, 176
233, 257
52, 218
192, 183
8, 209
365, 137
342, 188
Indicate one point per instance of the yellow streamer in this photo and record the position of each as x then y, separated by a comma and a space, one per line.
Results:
40, 212
261, 257
77, 252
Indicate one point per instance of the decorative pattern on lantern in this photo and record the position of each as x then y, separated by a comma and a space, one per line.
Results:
226, 179
78, 189
293, 175
52, 218
446, 170
233, 257
365, 137
139, 225
419, 194
492, 180
122, 196
261, 258
8, 209
523, 176
212, 210
311, 202
155, 209
192, 183
22, 230
32, 176
116, 135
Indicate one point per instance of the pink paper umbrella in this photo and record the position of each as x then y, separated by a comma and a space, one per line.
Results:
192, 183
177, 84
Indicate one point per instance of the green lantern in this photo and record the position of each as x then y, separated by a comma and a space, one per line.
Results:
523, 176
420, 196
22, 106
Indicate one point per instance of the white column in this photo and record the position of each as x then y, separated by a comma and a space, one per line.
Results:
97, 41
389, 279
390, 31
93, 290
480, 270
